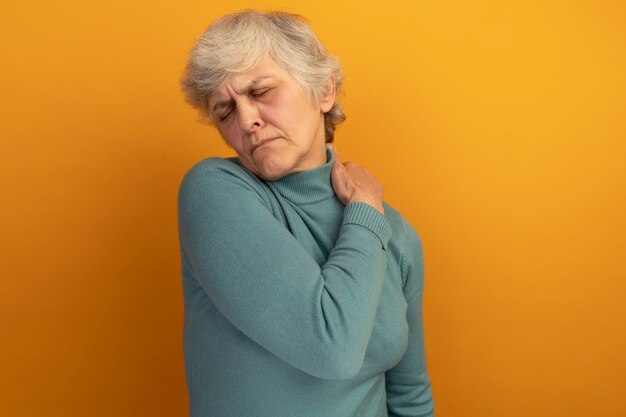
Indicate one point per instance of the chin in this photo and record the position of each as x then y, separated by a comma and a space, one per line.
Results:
271, 176
271, 173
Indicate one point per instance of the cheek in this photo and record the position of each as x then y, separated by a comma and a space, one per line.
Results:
230, 136
284, 114
301, 109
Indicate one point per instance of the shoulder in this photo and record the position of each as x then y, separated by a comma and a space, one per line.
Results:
404, 234
217, 172
220, 179
215, 169
405, 242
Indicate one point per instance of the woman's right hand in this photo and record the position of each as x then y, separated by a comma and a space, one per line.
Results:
353, 183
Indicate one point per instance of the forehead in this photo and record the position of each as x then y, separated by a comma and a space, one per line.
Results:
266, 69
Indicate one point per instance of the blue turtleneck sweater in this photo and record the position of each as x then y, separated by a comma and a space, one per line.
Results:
296, 305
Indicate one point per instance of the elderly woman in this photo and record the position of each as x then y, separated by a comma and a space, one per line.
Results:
302, 288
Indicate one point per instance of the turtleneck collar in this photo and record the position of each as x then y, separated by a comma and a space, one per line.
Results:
308, 186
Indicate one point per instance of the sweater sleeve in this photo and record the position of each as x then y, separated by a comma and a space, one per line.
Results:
318, 319
408, 385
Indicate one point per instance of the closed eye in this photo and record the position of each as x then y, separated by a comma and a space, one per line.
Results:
225, 115
260, 92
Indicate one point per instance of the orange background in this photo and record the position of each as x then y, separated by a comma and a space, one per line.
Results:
497, 127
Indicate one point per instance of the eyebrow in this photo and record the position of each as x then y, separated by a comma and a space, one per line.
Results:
227, 102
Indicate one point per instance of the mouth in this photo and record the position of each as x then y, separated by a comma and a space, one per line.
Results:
261, 143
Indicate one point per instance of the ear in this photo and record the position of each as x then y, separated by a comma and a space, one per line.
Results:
328, 100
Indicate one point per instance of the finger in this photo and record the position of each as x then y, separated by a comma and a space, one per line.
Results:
334, 151
338, 170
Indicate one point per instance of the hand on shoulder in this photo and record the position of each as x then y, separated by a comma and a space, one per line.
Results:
353, 183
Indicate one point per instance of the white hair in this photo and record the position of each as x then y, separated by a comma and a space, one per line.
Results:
237, 42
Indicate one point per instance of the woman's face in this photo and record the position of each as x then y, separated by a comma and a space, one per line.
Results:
270, 121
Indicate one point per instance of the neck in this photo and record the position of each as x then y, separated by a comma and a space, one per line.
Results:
307, 186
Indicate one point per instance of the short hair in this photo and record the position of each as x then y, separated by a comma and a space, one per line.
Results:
237, 42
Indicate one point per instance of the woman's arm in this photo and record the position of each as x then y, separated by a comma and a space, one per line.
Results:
318, 319
408, 386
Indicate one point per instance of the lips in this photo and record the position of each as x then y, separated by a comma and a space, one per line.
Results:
261, 143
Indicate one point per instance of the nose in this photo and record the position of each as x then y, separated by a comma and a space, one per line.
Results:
249, 116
